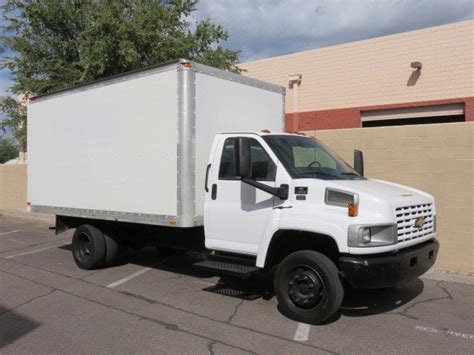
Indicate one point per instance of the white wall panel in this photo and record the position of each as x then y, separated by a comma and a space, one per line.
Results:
111, 147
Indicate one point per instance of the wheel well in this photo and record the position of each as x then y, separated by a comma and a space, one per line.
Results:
285, 242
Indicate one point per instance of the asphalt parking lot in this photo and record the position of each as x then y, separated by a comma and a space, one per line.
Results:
160, 304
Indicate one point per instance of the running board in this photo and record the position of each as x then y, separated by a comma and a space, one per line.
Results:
228, 265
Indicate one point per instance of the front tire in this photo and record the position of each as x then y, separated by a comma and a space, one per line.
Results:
308, 287
88, 247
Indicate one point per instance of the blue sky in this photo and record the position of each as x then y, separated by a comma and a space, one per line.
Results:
264, 28
268, 28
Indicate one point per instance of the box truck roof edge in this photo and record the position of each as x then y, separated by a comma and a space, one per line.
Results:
170, 65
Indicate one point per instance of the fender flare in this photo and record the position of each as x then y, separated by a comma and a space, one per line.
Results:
273, 228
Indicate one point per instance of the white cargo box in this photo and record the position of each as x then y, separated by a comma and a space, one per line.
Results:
135, 147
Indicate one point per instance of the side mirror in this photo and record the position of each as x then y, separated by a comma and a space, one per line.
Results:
243, 161
359, 162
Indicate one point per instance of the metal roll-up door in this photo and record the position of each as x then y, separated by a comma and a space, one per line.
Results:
414, 115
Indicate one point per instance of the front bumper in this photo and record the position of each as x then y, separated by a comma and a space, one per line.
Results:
380, 271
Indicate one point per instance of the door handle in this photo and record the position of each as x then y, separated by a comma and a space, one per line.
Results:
214, 191
207, 177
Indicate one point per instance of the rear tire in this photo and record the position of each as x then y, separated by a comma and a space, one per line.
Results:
308, 287
112, 248
88, 247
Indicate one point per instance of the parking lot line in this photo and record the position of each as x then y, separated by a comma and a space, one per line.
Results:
302, 332
128, 278
9, 232
31, 252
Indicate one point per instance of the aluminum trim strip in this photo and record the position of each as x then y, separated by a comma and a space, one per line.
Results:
186, 179
142, 218
109, 81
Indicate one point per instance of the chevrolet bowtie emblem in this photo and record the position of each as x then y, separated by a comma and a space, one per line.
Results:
420, 222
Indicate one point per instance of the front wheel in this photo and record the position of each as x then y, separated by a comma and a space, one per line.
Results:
308, 287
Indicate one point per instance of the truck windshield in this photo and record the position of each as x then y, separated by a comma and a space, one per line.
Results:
305, 157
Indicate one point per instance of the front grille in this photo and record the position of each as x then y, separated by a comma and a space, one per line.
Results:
407, 218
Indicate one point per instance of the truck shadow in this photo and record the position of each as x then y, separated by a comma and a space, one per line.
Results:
357, 302
361, 303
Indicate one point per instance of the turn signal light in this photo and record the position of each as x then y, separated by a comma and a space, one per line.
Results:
352, 210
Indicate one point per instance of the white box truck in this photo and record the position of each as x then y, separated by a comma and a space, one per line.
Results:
175, 155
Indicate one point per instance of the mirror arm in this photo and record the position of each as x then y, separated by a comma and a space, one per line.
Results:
281, 192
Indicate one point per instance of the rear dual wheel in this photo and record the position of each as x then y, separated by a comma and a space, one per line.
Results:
93, 249
308, 287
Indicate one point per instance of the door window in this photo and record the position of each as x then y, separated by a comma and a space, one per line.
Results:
263, 167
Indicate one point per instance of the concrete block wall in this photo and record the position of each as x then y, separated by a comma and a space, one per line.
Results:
438, 159
13, 188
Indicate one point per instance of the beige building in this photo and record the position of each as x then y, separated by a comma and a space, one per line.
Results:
416, 77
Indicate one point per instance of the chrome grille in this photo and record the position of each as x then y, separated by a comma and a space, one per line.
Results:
407, 218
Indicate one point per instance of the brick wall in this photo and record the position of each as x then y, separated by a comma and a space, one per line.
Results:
438, 159
13, 188
351, 117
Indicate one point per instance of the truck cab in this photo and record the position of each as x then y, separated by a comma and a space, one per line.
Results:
301, 210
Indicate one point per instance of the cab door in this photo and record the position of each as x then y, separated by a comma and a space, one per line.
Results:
235, 213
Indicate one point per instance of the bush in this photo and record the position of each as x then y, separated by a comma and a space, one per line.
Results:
8, 150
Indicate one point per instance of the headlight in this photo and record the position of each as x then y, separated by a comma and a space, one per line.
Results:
373, 235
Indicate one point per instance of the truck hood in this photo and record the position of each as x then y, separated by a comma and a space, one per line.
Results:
379, 188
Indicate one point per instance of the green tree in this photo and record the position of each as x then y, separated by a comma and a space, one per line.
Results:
15, 119
56, 44
8, 150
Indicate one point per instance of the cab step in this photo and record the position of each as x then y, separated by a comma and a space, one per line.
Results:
242, 267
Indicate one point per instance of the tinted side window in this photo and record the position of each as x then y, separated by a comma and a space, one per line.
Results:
227, 167
263, 168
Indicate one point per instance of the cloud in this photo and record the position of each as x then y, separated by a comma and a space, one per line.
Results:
268, 28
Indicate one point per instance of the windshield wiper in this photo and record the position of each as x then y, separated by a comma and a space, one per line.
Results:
351, 174
320, 173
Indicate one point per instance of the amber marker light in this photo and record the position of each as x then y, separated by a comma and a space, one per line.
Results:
352, 210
